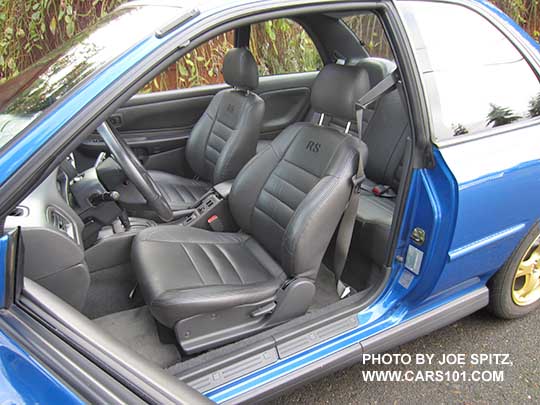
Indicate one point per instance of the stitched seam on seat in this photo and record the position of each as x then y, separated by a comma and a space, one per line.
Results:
270, 217
300, 168
193, 263
210, 260
235, 133
331, 160
266, 181
258, 261
231, 264
214, 264
226, 126
289, 183
306, 225
278, 200
210, 133
214, 149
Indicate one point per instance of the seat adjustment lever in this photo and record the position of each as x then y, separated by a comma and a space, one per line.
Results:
264, 310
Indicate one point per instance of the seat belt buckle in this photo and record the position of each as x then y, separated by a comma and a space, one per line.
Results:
379, 190
382, 191
215, 223
357, 183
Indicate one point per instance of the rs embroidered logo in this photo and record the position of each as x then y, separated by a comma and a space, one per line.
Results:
230, 108
313, 146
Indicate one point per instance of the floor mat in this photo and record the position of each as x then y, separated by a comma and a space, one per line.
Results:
136, 329
109, 292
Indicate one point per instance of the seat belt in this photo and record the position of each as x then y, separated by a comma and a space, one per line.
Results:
385, 85
346, 227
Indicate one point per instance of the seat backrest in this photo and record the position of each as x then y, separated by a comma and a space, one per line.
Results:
226, 136
385, 137
291, 196
386, 126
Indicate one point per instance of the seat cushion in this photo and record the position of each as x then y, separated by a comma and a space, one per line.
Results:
188, 271
179, 192
375, 216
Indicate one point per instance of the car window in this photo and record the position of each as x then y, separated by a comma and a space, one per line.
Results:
200, 67
473, 76
369, 30
24, 97
282, 46
269, 42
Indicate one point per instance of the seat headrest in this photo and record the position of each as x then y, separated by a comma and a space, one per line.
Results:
240, 69
377, 68
337, 88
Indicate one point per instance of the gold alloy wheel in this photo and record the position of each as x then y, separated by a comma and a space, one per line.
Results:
526, 285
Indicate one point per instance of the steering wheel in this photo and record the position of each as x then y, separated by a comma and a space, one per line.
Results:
136, 172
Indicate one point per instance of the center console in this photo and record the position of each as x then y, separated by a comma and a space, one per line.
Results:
212, 210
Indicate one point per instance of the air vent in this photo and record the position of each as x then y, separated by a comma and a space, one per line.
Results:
60, 222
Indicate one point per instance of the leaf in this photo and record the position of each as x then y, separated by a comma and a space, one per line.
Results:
70, 28
52, 25
20, 33
69, 10
183, 70
36, 16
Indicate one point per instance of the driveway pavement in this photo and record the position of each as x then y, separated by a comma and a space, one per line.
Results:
476, 334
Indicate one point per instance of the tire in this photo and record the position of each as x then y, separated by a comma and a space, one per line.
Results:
502, 301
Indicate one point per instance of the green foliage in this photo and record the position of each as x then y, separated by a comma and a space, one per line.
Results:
31, 29
278, 46
501, 116
534, 106
524, 12
369, 30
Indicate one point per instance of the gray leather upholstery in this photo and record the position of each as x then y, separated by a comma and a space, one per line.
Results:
287, 200
338, 90
179, 192
201, 271
385, 137
225, 137
240, 69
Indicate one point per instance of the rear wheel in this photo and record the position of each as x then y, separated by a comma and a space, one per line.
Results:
515, 289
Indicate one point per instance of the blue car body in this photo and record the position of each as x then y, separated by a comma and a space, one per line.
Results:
471, 235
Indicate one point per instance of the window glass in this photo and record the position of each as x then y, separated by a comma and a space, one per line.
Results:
473, 76
369, 30
202, 66
279, 46
24, 97
283, 46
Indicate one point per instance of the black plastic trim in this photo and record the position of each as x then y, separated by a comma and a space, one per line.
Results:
416, 327
177, 22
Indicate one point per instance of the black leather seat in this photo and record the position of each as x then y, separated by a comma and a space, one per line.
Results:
225, 137
215, 287
385, 130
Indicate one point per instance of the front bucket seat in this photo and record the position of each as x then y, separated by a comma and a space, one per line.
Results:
224, 138
215, 287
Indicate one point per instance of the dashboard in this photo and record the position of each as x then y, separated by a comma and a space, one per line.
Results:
49, 206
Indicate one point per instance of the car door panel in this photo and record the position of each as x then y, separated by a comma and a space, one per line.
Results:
157, 125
